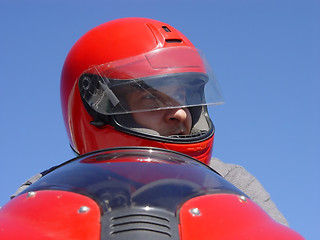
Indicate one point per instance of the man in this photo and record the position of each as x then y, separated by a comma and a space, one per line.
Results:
140, 82
168, 122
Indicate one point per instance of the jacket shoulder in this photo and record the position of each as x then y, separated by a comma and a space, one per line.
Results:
247, 183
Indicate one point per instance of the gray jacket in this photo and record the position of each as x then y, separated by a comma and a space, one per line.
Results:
235, 174
248, 184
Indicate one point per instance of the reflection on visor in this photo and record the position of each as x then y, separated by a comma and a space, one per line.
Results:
125, 96
114, 88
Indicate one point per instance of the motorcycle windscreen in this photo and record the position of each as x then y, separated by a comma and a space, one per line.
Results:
126, 177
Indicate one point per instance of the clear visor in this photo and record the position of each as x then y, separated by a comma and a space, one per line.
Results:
175, 77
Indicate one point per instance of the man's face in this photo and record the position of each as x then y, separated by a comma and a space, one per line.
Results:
173, 121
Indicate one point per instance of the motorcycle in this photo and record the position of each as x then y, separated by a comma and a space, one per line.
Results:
136, 193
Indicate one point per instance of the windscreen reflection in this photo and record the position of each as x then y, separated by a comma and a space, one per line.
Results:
124, 177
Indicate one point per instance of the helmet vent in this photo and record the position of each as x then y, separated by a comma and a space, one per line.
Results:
166, 29
173, 40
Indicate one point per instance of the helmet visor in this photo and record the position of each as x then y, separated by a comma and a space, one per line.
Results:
150, 82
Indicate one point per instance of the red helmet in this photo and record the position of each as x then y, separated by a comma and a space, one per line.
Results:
154, 64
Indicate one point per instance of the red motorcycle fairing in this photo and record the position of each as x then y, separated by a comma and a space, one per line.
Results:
136, 193
50, 214
229, 217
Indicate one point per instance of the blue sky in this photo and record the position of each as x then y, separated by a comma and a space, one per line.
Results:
266, 57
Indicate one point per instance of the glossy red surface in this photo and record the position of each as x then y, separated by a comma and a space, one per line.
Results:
50, 214
227, 216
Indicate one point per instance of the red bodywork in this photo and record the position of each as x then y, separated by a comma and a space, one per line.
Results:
229, 217
50, 214
55, 215
136, 194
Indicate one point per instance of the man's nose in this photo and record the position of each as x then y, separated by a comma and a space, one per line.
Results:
177, 114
